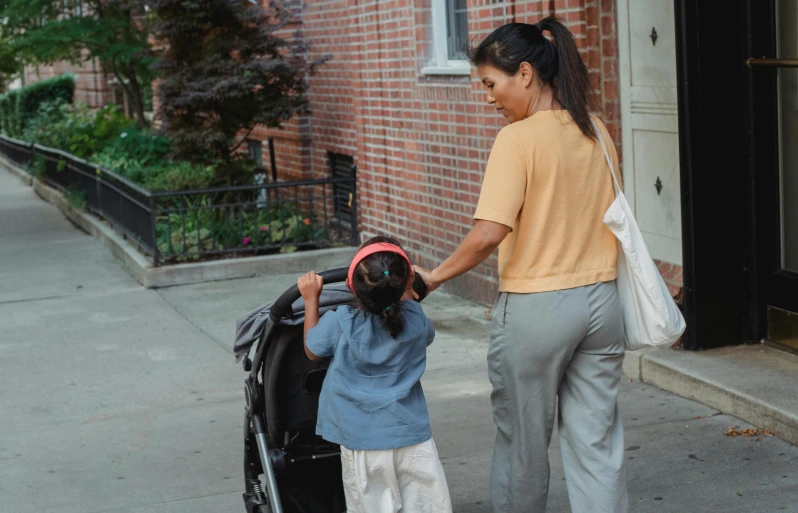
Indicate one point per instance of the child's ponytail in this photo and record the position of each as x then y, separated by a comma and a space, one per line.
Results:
391, 317
379, 283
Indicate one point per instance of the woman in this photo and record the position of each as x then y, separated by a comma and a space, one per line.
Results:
557, 327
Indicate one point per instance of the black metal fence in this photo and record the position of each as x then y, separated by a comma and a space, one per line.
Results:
191, 225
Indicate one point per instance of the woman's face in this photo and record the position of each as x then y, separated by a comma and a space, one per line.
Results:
512, 95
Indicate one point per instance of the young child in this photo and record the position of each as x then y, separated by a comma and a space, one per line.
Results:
371, 402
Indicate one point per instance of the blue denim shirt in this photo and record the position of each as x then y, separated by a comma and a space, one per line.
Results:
372, 398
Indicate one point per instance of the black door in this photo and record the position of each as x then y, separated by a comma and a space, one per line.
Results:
773, 96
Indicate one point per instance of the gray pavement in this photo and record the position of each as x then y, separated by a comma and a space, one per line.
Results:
118, 398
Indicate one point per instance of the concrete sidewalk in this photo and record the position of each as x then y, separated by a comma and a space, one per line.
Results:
118, 398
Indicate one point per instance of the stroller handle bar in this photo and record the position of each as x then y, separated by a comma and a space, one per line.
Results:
283, 304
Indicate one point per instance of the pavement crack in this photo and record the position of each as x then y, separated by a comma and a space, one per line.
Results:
227, 349
32, 299
159, 503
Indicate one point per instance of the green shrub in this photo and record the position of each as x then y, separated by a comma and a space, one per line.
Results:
142, 156
76, 129
20, 107
76, 199
200, 227
55, 90
8, 112
37, 166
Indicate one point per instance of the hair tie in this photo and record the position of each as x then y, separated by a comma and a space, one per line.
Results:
387, 307
386, 273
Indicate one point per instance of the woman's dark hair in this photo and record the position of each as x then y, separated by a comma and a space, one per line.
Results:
557, 64
379, 282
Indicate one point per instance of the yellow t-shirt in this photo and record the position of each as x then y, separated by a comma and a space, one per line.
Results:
551, 184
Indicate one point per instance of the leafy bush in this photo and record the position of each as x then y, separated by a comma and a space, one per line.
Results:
201, 227
20, 107
8, 113
76, 199
37, 165
142, 157
76, 129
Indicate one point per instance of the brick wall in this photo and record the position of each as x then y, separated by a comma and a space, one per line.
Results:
91, 84
420, 142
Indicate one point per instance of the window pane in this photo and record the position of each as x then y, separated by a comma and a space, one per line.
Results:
456, 28
255, 152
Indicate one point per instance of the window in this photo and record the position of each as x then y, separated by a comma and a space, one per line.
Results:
343, 166
456, 29
450, 35
255, 152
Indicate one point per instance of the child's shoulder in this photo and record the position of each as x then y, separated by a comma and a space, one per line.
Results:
340, 312
413, 307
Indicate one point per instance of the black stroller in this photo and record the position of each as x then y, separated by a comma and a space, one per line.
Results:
302, 472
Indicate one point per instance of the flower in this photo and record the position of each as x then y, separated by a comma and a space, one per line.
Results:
123, 135
246, 240
264, 228
307, 221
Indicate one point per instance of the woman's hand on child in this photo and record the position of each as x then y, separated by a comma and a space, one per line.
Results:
426, 275
310, 286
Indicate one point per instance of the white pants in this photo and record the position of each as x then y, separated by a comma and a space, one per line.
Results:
407, 480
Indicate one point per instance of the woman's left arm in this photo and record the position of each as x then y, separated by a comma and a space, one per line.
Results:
479, 244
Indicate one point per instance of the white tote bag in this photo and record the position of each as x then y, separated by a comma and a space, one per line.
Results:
650, 316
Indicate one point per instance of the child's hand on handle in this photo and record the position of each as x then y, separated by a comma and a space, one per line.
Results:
310, 286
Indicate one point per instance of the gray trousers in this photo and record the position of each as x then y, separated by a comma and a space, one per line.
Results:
566, 344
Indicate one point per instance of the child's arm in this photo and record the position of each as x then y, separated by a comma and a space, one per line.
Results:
310, 286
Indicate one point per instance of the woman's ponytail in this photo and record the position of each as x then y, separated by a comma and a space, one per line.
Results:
571, 82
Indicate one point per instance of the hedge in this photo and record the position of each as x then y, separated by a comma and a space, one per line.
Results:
19, 106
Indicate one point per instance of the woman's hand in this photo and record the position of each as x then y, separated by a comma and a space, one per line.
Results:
481, 241
310, 286
426, 275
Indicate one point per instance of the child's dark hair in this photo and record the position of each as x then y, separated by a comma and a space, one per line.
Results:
379, 282
557, 64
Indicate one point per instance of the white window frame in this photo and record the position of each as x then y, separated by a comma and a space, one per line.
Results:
441, 64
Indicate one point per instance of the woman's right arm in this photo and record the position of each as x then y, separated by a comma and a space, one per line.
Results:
478, 245
500, 200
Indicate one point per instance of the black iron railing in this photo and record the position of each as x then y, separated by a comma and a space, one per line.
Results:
200, 224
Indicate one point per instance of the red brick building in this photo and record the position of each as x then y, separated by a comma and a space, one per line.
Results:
92, 86
399, 100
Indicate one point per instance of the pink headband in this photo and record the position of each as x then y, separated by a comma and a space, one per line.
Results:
379, 247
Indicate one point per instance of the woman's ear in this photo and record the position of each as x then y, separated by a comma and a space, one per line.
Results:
527, 74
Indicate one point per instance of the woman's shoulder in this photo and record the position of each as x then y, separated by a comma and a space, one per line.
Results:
527, 131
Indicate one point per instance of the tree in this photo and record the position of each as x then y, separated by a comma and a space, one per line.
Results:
10, 63
225, 70
115, 32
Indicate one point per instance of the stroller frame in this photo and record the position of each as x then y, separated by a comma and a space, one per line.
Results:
259, 458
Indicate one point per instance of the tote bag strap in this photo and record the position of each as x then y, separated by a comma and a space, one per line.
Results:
607, 156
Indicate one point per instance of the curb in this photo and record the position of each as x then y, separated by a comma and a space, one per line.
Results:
14, 170
140, 266
660, 368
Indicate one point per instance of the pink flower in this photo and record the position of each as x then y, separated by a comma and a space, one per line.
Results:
246, 240
307, 222
264, 228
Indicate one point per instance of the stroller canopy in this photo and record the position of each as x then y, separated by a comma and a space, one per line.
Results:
250, 327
